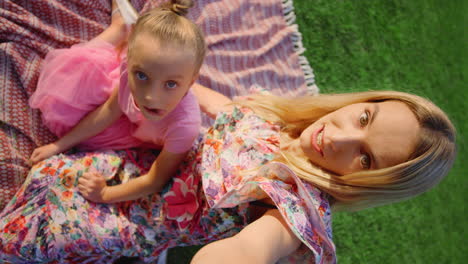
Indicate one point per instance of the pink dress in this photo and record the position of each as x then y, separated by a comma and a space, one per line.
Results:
77, 80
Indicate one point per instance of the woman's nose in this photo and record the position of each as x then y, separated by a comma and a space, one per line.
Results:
342, 141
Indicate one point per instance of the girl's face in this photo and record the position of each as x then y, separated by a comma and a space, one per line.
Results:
363, 136
159, 75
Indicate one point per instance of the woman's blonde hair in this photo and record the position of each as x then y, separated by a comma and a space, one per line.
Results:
432, 159
168, 23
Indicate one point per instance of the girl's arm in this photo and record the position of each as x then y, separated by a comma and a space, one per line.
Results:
93, 186
263, 241
92, 124
211, 102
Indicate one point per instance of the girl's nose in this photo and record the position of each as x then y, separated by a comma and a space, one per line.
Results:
148, 97
151, 94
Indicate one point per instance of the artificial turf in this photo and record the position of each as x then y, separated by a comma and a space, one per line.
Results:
417, 46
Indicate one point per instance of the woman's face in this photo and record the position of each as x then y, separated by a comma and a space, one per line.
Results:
363, 136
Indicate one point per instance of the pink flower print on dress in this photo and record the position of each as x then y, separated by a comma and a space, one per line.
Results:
182, 202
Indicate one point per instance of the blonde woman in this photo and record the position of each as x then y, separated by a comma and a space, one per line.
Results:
96, 96
259, 185
362, 149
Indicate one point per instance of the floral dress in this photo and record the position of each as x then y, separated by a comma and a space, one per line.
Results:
48, 221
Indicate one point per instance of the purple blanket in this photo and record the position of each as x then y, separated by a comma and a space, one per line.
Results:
250, 44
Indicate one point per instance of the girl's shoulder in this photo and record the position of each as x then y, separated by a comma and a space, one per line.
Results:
187, 109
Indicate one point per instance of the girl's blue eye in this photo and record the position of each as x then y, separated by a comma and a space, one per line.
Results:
141, 76
171, 84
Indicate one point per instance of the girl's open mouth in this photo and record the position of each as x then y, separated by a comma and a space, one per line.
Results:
155, 111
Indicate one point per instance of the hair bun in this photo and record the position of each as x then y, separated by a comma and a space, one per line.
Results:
180, 7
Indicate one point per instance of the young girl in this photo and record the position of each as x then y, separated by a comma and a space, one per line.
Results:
100, 98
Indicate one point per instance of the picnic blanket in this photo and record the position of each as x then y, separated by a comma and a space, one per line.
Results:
251, 43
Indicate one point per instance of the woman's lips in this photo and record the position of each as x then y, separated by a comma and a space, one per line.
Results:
317, 140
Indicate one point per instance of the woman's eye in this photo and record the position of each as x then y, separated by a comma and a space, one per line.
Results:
141, 76
171, 84
365, 161
364, 118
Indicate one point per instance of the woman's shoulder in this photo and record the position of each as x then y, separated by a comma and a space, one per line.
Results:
240, 118
240, 133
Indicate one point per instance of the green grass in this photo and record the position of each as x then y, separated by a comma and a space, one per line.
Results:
416, 46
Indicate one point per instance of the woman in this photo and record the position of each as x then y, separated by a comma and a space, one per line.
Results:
260, 183
363, 149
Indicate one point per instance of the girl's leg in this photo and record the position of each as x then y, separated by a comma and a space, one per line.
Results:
117, 31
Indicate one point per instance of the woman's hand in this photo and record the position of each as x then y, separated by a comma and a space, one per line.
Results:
44, 152
93, 187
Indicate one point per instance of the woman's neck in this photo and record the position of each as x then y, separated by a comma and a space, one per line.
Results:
292, 146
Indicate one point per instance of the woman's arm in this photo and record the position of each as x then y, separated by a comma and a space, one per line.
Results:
211, 102
92, 124
263, 241
93, 186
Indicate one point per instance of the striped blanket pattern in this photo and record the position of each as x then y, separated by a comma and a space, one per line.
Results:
251, 44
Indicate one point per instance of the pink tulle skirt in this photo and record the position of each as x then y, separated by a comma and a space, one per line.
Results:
75, 81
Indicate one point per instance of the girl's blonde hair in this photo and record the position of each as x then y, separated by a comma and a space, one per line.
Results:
432, 159
168, 23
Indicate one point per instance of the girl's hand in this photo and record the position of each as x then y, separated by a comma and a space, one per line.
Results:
93, 187
44, 152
